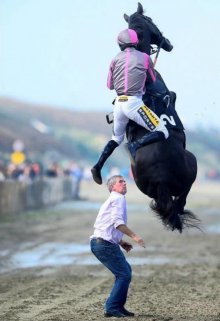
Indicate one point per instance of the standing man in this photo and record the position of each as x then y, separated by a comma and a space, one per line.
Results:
109, 228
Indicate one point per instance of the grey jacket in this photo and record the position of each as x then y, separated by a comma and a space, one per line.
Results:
128, 72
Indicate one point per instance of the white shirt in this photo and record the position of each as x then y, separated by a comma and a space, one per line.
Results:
111, 214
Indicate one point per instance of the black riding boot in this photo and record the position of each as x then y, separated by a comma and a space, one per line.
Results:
149, 138
96, 170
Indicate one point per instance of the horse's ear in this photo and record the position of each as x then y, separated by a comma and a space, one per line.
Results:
140, 9
126, 17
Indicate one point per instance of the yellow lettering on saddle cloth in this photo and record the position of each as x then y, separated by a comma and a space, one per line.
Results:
123, 98
155, 121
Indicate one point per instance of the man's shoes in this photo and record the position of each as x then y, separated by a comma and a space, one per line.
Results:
116, 314
96, 174
126, 312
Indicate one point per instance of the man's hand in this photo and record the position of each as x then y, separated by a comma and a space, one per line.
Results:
124, 229
139, 240
126, 246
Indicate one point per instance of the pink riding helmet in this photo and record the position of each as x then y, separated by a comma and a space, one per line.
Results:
127, 36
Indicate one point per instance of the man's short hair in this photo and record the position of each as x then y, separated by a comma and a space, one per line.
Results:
112, 181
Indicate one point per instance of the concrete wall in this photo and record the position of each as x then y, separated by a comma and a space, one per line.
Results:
20, 196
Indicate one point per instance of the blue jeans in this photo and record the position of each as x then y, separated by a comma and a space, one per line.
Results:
113, 258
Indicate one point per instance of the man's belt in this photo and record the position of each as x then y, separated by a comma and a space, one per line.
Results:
100, 240
122, 98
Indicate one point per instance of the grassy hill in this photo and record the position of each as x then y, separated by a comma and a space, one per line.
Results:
53, 134
57, 134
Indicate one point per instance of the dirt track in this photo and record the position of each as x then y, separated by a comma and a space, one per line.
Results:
175, 278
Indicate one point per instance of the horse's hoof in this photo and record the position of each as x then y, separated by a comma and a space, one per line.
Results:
96, 176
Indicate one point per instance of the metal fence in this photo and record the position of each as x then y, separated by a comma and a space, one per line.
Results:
18, 196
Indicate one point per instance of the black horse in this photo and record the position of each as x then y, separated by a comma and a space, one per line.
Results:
165, 171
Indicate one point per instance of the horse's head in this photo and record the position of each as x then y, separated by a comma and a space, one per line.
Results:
148, 33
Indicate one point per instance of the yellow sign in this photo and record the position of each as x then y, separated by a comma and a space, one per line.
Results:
18, 158
150, 115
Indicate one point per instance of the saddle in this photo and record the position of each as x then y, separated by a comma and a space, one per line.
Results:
162, 102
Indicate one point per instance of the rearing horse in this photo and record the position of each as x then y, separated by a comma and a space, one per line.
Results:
165, 171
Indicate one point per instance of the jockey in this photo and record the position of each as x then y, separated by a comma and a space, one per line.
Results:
127, 75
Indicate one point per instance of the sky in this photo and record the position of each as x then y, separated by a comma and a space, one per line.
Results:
57, 52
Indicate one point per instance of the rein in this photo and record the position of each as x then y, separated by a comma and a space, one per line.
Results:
158, 51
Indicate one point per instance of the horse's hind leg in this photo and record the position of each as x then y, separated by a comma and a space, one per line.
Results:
188, 218
180, 202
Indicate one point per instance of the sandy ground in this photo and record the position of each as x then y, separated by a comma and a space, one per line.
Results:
177, 276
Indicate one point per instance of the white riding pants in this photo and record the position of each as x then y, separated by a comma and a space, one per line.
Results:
132, 107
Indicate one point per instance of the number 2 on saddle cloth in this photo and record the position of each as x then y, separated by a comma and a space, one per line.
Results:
164, 107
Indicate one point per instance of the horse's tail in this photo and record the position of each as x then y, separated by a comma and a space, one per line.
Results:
170, 214
163, 206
